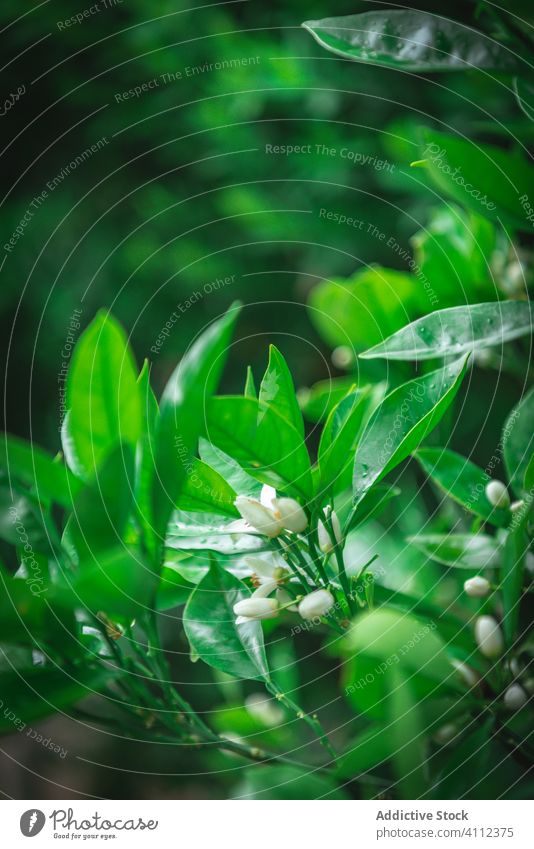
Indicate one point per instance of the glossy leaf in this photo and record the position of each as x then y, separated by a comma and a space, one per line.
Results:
51, 480
209, 623
462, 481
102, 397
485, 178
250, 386
173, 589
459, 551
208, 531
403, 419
278, 392
457, 330
266, 445
182, 413
338, 440
229, 469
144, 460
317, 401
411, 40
206, 491
518, 441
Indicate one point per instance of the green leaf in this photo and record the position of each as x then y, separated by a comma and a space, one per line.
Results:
39, 691
338, 440
209, 623
205, 491
286, 782
372, 505
462, 481
21, 521
403, 419
491, 181
512, 571
457, 330
266, 445
370, 305
518, 442
278, 392
209, 532
412, 41
173, 589
317, 401
144, 459
368, 749
182, 413
229, 469
405, 734
459, 551
467, 766
51, 480
250, 386
102, 397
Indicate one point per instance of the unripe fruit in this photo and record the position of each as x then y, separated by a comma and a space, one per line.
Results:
489, 636
477, 587
515, 697
315, 604
497, 494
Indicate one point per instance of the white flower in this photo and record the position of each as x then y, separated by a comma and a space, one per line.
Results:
515, 697
316, 604
477, 587
270, 569
290, 514
497, 494
259, 516
325, 541
467, 673
255, 607
489, 636
285, 600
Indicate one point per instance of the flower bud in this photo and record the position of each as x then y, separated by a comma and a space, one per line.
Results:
342, 356
497, 494
466, 673
317, 603
515, 697
260, 517
446, 733
290, 514
256, 608
489, 636
516, 506
477, 587
325, 541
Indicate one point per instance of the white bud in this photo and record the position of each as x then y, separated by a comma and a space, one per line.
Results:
317, 603
445, 734
342, 356
285, 600
515, 697
497, 494
290, 514
325, 541
477, 587
489, 636
256, 608
260, 517
516, 506
466, 673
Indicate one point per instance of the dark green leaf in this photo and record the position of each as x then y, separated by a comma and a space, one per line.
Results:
30, 465
512, 571
411, 40
456, 331
286, 782
209, 623
266, 445
403, 419
338, 440
518, 441
463, 481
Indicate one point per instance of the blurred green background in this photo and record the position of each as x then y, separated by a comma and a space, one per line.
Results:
178, 190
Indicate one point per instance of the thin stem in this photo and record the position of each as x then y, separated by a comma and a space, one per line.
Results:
310, 719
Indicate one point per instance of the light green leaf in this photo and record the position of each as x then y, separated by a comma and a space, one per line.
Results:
518, 441
208, 531
278, 392
462, 481
317, 401
457, 330
173, 589
400, 423
411, 40
102, 397
266, 445
182, 413
51, 480
205, 491
250, 386
405, 733
229, 469
209, 623
459, 551
144, 459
